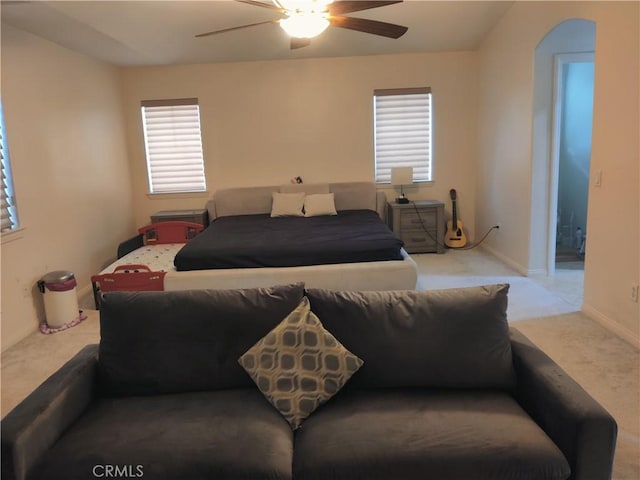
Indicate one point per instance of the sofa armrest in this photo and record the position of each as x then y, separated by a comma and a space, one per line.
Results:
577, 423
35, 424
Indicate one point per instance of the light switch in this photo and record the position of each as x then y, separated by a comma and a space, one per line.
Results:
597, 178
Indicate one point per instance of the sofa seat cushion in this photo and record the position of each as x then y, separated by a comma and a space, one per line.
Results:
232, 434
417, 434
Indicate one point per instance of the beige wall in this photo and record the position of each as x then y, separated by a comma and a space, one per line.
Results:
265, 122
66, 138
504, 179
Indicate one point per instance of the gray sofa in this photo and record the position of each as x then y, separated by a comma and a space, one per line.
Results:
446, 391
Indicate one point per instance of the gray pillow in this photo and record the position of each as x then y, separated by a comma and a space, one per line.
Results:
455, 338
298, 366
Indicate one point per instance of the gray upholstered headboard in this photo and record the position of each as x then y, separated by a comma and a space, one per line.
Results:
255, 200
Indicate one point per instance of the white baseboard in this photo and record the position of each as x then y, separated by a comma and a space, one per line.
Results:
506, 260
610, 325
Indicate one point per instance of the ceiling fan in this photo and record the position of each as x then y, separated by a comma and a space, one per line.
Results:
305, 19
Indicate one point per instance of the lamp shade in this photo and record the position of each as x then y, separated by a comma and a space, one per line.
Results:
401, 175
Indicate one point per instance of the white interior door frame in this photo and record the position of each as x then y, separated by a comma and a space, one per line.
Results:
559, 63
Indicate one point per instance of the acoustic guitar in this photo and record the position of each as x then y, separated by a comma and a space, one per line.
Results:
454, 237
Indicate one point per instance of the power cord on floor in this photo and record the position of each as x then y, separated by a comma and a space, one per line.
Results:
424, 227
497, 227
468, 247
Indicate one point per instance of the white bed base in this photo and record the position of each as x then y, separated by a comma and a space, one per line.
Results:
385, 275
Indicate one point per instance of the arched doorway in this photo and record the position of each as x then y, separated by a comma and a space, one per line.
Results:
565, 41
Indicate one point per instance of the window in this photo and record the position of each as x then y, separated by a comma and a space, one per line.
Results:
173, 146
8, 213
402, 123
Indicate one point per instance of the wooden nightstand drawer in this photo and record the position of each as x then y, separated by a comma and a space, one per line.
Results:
419, 241
420, 220
419, 224
195, 216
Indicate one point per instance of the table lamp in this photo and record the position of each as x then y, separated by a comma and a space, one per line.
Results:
401, 176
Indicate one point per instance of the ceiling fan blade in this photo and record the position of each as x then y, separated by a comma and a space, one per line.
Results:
270, 6
348, 6
299, 42
369, 26
216, 32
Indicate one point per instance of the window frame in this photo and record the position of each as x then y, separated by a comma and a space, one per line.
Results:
8, 207
195, 162
422, 168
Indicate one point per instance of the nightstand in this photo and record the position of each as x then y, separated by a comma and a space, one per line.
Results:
200, 216
419, 224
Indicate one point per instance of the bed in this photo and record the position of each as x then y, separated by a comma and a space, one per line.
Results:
360, 221
256, 241
144, 260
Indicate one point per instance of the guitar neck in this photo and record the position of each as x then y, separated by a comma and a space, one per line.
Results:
454, 219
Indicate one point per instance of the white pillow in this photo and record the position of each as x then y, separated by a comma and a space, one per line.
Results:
287, 204
319, 204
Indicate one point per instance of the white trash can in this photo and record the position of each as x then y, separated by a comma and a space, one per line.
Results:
60, 302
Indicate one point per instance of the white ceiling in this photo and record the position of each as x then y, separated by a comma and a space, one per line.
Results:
162, 32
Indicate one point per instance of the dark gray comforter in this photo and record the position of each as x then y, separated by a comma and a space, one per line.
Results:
252, 241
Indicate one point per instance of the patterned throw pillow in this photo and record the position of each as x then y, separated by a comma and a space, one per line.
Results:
299, 365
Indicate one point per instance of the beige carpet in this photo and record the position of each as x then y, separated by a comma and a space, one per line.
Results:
545, 309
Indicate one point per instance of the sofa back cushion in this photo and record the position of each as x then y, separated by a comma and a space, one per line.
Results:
455, 338
167, 342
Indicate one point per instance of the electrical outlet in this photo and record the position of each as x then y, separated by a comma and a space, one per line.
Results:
634, 293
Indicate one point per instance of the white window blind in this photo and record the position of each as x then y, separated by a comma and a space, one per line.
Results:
402, 123
8, 214
173, 145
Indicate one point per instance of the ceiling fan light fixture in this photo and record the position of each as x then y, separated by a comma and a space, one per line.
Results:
304, 6
305, 25
306, 19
